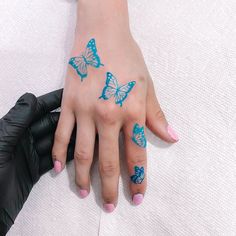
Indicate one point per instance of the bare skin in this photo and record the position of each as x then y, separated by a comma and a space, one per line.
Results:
107, 21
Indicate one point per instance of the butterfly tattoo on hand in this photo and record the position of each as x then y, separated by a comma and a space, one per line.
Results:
139, 136
113, 89
88, 58
139, 175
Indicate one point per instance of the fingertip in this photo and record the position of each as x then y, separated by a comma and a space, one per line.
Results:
163, 130
27, 97
174, 136
48, 102
108, 207
57, 166
137, 199
83, 193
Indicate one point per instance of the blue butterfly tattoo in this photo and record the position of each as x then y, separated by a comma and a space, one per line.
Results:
139, 136
112, 88
139, 175
88, 58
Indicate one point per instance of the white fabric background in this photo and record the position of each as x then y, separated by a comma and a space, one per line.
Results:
190, 49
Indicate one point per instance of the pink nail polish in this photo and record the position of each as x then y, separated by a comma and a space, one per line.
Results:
83, 193
57, 166
137, 199
108, 207
172, 133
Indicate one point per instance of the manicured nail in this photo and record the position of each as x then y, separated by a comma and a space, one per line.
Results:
57, 166
137, 199
83, 193
108, 207
172, 133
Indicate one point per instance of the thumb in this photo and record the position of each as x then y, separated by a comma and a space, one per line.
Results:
14, 123
47, 103
156, 120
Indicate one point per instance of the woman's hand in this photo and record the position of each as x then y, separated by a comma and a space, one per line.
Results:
108, 89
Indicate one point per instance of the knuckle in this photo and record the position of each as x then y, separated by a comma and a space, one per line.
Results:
107, 114
159, 114
109, 168
77, 182
141, 79
54, 153
57, 153
137, 160
110, 196
135, 111
59, 147
82, 156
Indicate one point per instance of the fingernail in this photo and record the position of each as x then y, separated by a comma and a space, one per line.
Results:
57, 166
108, 207
137, 199
83, 193
172, 133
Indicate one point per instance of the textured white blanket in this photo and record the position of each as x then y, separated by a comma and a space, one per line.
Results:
190, 49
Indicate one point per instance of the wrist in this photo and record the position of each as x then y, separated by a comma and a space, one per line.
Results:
102, 19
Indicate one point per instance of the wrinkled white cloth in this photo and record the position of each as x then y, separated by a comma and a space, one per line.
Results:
190, 50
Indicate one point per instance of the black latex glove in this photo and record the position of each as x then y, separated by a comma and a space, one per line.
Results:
26, 139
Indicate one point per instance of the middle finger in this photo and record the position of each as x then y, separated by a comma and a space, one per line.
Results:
109, 165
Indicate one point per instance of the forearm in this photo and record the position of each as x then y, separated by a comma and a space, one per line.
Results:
102, 17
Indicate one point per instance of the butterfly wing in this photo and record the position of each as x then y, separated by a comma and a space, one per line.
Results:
139, 180
127, 87
141, 175
111, 80
123, 92
136, 170
138, 177
134, 179
141, 140
139, 136
79, 64
110, 87
108, 92
91, 55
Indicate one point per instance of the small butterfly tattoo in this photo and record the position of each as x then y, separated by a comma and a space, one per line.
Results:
139, 175
112, 88
88, 58
139, 136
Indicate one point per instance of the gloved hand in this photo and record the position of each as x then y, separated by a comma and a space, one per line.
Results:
26, 138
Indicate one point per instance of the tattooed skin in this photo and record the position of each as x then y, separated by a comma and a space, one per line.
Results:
88, 58
113, 89
139, 175
139, 136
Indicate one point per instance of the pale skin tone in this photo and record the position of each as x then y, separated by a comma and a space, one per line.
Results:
107, 21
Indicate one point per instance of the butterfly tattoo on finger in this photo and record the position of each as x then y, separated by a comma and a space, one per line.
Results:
138, 176
88, 58
113, 89
138, 136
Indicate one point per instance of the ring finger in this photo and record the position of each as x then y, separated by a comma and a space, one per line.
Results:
135, 150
